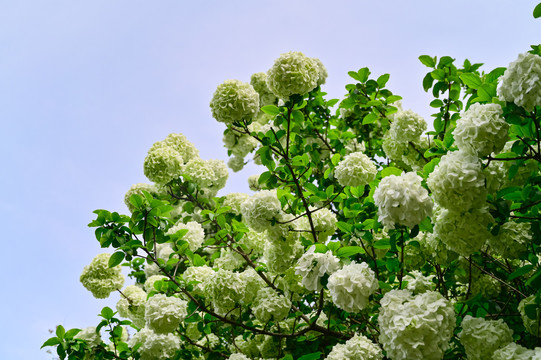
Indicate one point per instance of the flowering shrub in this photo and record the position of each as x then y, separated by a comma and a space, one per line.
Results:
367, 237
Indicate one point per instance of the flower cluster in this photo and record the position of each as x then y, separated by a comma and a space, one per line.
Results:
89, 335
531, 325
198, 275
163, 313
101, 280
481, 130
269, 305
324, 221
155, 346
359, 347
513, 351
351, 286
224, 289
182, 145
312, 266
163, 164
512, 239
149, 283
481, 338
521, 82
458, 182
418, 283
138, 189
209, 175
195, 235
402, 200
415, 327
233, 101
132, 304
292, 73
259, 82
356, 169
259, 211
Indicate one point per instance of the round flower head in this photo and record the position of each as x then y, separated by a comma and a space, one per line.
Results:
235, 163
481, 130
131, 304
149, 283
322, 72
407, 125
253, 183
356, 169
252, 283
458, 182
512, 240
209, 175
312, 266
89, 334
324, 221
292, 73
402, 200
234, 200
521, 82
183, 146
259, 82
280, 255
259, 210
487, 286
359, 347
138, 189
198, 274
155, 346
463, 232
418, 283
224, 289
513, 351
531, 325
351, 286
163, 164
481, 338
195, 235
269, 305
435, 249
101, 280
233, 101
229, 260
415, 327
238, 356
163, 313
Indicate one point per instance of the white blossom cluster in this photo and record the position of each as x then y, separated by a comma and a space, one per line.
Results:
251, 283
149, 283
89, 335
463, 232
239, 145
531, 325
238, 356
209, 175
182, 145
163, 313
458, 182
355, 169
233, 101
513, 351
155, 346
324, 221
312, 266
512, 240
132, 304
402, 200
229, 260
481, 130
197, 274
101, 280
521, 82
194, 237
138, 189
259, 210
481, 338
280, 253
487, 286
351, 286
269, 305
162, 164
359, 347
224, 289
415, 327
433, 248
259, 82
419, 283
253, 183
322, 72
293, 73
407, 125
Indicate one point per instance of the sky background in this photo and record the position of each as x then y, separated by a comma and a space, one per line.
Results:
86, 87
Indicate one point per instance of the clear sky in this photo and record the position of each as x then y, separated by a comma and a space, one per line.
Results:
86, 87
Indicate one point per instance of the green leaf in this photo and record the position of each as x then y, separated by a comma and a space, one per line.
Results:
345, 227
198, 260
370, 118
537, 11
335, 159
428, 168
333, 245
427, 61
71, 333
51, 342
116, 259
349, 251
107, 313
382, 244
271, 109
298, 116
390, 171
471, 80
382, 80
438, 74
312, 356
531, 311
520, 271
363, 74
60, 331
427, 81
436, 103
354, 75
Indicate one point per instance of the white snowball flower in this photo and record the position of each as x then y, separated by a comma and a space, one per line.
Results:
418, 283
292, 73
100, 279
415, 327
155, 346
89, 334
138, 189
238, 356
512, 240
513, 351
197, 274
269, 305
163, 313
521, 82
351, 286
195, 235
259, 210
324, 221
149, 283
481, 130
312, 266
458, 182
481, 338
359, 347
402, 200
233, 101
132, 303
209, 175
407, 125
531, 325
162, 164
281, 254
355, 169
259, 82
180, 143
224, 289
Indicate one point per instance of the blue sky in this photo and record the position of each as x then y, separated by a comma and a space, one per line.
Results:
86, 87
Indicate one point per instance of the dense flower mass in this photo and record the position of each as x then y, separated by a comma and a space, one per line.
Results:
402, 200
415, 327
209, 175
292, 73
351, 286
359, 347
531, 325
195, 235
269, 305
481, 130
163, 164
512, 351
198, 275
458, 182
138, 189
324, 223
356, 169
101, 280
155, 346
407, 125
481, 338
512, 239
261, 209
312, 266
163, 313
521, 82
224, 289
233, 101
89, 335
132, 303
259, 82
182, 145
